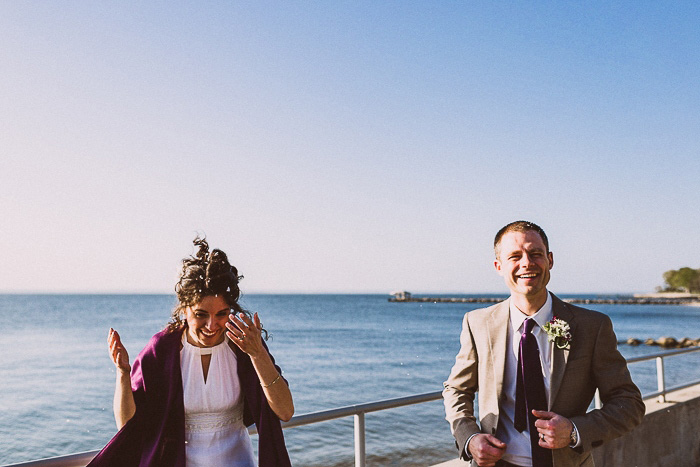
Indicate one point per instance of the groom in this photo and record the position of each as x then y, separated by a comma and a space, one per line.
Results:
536, 362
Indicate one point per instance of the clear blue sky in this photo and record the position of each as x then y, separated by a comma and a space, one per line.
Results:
346, 146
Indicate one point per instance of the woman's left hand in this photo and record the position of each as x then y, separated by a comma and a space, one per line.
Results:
246, 333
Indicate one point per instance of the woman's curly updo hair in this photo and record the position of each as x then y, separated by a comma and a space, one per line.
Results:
206, 273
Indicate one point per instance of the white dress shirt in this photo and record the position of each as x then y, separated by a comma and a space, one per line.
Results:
518, 450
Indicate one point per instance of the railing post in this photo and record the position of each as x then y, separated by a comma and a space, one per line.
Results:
360, 439
661, 378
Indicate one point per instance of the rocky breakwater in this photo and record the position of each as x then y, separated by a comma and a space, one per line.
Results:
656, 299
664, 342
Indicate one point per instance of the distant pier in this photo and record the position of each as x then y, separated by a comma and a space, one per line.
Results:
401, 297
449, 299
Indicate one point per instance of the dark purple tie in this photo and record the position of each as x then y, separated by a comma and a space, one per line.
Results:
530, 393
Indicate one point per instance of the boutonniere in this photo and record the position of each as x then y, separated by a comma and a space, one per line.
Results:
559, 332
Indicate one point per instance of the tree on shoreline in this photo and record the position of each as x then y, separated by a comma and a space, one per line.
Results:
682, 280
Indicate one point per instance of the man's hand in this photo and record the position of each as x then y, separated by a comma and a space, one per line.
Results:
486, 449
554, 430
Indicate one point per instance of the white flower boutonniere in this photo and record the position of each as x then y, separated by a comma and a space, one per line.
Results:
559, 332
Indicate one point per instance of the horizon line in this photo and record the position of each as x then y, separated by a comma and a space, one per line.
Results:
283, 292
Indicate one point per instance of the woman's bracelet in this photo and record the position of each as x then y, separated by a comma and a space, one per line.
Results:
279, 375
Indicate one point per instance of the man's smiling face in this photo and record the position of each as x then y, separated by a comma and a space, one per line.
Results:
524, 263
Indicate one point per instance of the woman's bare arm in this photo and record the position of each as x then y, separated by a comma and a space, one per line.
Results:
246, 334
124, 405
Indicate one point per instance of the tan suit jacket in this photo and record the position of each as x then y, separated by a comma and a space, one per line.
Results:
591, 362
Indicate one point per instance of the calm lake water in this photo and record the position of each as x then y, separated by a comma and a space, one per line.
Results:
57, 382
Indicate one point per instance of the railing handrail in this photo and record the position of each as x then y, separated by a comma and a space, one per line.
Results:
667, 353
71, 460
350, 410
359, 410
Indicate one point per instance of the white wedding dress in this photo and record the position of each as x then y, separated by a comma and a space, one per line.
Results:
214, 432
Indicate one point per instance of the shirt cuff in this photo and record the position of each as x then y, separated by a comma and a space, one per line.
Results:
466, 447
578, 437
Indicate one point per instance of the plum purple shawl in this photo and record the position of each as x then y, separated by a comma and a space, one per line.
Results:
155, 435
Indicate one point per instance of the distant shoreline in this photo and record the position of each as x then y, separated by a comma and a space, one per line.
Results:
694, 296
690, 299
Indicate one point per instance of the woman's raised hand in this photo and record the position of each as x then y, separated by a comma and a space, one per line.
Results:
246, 333
119, 355
124, 406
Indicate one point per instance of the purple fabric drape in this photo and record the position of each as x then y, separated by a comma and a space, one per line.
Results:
155, 436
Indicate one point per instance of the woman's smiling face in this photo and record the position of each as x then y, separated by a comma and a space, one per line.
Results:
206, 321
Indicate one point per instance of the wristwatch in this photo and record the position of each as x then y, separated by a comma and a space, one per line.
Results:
574, 437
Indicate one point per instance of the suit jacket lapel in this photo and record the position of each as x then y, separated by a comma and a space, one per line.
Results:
498, 335
560, 356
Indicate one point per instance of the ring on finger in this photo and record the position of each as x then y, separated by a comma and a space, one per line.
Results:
542, 436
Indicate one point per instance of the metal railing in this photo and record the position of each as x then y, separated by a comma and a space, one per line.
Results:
662, 390
358, 413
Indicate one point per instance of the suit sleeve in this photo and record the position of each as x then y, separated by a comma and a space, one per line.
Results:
460, 388
623, 407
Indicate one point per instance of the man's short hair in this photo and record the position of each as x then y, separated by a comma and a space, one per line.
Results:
519, 226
